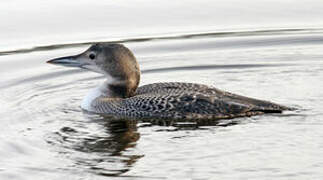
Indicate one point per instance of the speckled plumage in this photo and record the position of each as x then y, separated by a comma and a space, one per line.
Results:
120, 95
183, 101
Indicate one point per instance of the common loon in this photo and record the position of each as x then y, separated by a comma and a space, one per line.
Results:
120, 95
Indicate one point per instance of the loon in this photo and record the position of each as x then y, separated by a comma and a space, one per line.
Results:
120, 95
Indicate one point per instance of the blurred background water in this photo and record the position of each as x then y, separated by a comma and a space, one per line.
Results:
264, 49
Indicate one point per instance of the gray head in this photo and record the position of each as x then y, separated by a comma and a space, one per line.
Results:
115, 61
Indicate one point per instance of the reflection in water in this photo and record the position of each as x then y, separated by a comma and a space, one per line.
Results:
105, 145
104, 152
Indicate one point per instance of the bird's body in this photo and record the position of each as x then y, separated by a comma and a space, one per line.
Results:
120, 95
177, 101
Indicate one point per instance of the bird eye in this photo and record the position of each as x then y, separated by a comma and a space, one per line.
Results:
92, 56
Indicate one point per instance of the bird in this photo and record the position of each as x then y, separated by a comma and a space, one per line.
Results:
121, 96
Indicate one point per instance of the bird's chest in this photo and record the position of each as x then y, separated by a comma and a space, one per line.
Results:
91, 96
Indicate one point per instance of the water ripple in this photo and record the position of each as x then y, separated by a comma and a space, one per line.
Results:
169, 37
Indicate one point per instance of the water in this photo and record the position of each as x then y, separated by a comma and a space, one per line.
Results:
264, 49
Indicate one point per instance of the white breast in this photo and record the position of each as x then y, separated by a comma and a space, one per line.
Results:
100, 91
90, 97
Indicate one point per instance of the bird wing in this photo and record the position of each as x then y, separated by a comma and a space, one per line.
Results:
184, 101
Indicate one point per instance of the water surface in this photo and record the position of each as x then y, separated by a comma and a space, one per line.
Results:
270, 50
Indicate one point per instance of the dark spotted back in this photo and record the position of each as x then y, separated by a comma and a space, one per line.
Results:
184, 101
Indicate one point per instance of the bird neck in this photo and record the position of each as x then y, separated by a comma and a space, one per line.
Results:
123, 88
